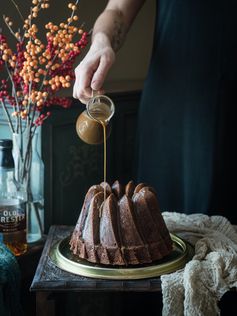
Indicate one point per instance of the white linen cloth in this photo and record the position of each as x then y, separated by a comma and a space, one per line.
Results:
196, 289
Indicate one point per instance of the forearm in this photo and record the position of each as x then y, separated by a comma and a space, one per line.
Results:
113, 24
110, 28
108, 35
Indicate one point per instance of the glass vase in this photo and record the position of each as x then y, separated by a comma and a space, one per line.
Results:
35, 205
29, 170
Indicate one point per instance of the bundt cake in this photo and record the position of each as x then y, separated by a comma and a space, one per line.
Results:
125, 229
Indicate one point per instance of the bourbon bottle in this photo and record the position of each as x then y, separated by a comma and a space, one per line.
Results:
12, 203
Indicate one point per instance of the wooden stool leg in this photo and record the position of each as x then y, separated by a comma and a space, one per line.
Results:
44, 305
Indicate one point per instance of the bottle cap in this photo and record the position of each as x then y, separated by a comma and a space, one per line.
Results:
6, 159
6, 143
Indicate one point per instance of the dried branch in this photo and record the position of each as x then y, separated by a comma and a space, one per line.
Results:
14, 93
18, 10
10, 29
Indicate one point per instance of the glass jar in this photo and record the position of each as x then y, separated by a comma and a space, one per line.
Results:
99, 109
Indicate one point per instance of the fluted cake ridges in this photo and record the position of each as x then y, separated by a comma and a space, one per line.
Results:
125, 229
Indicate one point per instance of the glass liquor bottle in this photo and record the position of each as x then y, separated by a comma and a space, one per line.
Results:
12, 203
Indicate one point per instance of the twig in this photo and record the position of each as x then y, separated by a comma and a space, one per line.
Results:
73, 12
32, 118
18, 10
29, 101
28, 153
14, 93
10, 29
8, 116
56, 55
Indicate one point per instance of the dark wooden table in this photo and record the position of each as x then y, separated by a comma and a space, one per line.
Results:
50, 280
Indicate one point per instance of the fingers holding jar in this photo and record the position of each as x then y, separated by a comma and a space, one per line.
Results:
90, 74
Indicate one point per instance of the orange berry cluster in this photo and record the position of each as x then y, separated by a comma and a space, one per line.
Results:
38, 70
37, 6
6, 52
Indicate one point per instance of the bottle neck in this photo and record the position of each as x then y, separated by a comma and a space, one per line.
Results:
6, 174
9, 188
6, 158
6, 171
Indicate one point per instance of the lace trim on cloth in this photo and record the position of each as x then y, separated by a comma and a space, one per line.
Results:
196, 289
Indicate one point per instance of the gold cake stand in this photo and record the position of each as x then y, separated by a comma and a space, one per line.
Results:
62, 257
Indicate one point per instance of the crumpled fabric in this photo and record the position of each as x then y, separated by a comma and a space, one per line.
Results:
196, 289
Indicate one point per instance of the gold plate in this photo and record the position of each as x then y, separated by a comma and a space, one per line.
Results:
62, 257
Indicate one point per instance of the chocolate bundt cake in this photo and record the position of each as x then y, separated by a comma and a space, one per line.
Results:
125, 229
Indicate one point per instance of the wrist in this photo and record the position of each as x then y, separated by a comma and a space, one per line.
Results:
101, 40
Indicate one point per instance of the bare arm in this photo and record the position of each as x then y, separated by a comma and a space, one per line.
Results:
109, 32
116, 20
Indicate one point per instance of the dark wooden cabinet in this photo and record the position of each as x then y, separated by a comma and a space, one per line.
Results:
71, 166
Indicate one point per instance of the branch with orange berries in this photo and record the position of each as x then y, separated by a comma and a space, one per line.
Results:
36, 69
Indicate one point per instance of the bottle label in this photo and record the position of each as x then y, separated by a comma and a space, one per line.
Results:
12, 216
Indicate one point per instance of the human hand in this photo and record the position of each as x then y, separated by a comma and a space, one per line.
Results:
91, 72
